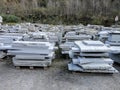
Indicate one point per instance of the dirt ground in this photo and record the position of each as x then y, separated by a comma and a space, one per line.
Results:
56, 77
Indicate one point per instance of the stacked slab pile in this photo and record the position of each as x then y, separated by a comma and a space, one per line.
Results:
32, 53
53, 38
114, 43
41, 37
96, 27
70, 38
66, 47
74, 36
90, 56
73, 27
104, 33
37, 36
17, 29
54, 33
6, 42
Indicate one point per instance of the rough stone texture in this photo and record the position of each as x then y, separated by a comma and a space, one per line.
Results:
56, 77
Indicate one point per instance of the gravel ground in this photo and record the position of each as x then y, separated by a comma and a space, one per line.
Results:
56, 77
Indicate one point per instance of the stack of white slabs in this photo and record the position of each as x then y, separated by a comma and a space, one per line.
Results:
91, 56
38, 36
74, 36
32, 53
114, 44
65, 47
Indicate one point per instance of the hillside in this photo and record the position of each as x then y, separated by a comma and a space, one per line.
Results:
63, 11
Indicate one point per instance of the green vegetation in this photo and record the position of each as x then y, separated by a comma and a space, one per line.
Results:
10, 18
61, 11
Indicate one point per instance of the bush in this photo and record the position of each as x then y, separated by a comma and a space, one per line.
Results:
10, 18
97, 20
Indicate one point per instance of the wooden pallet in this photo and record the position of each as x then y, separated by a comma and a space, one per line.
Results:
30, 67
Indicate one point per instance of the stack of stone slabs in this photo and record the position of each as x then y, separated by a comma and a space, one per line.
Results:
38, 36
73, 36
66, 47
8, 39
70, 38
53, 37
5, 43
90, 56
114, 43
32, 53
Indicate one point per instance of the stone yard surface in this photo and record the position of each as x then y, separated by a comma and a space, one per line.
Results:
56, 77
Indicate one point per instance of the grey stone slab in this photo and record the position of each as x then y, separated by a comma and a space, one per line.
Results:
73, 67
113, 43
30, 57
18, 62
86, 48
34, 52
93, 43
94, 54
96, 66
83, 60
42, 57
75, 49
115, 49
